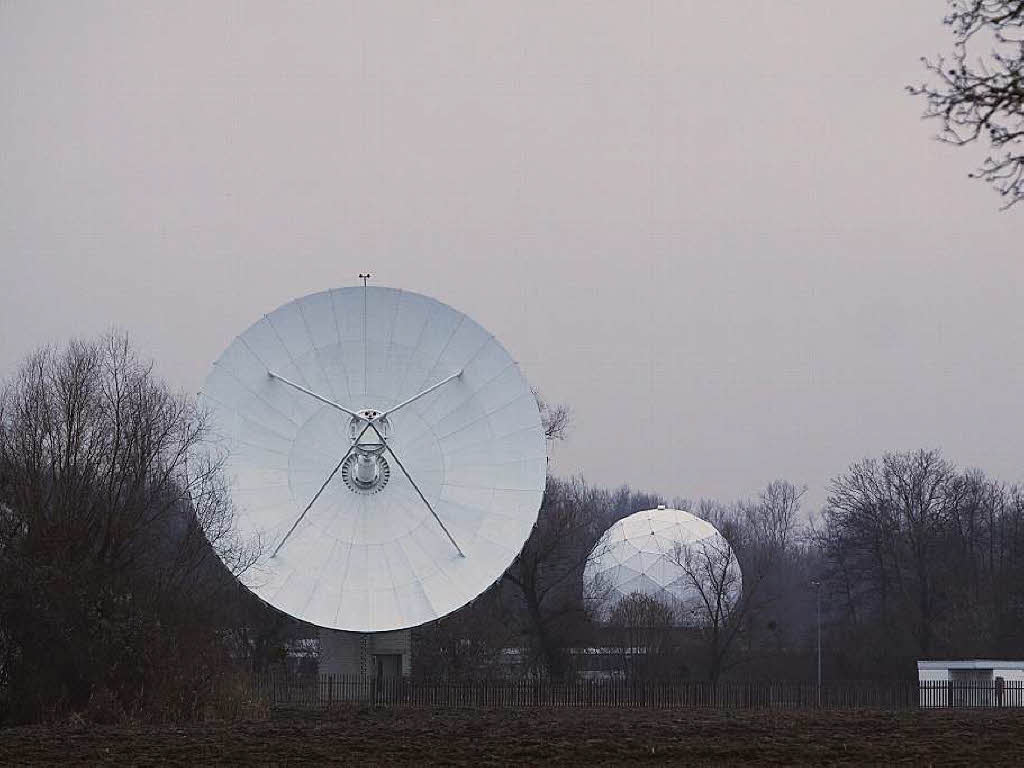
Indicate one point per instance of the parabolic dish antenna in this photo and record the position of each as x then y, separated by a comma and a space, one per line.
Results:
386, 449
668, 554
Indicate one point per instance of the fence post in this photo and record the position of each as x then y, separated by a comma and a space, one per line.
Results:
949, 693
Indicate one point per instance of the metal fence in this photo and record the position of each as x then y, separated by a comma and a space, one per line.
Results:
309, 692
969, 694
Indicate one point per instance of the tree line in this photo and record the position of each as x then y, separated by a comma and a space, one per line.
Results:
119, 563
910, 557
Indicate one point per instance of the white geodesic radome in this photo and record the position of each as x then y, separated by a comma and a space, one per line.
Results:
643, 553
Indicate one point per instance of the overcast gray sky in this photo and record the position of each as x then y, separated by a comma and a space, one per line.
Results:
719, 231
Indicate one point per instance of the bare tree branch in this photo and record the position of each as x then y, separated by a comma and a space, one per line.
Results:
979, 94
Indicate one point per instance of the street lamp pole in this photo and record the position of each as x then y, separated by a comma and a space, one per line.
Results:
817, 613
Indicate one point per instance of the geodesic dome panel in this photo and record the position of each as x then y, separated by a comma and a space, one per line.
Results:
668, 554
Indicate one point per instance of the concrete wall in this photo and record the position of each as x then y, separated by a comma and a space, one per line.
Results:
399, 642
973, 676
351, 653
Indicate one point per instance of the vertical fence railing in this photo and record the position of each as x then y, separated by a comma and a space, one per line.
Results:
950, 694
327, 691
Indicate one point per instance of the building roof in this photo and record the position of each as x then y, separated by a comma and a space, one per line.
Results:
971, 664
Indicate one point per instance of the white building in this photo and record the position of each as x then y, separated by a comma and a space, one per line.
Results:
971, 683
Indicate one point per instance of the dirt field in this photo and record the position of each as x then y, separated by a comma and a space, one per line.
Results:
540, 737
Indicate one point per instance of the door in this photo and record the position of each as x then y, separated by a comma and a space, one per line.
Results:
387, 664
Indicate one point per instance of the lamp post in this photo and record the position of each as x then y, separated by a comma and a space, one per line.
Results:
817, 614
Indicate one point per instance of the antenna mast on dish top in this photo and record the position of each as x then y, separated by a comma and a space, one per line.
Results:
364, 277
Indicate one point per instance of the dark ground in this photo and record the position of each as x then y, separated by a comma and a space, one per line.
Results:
539, 737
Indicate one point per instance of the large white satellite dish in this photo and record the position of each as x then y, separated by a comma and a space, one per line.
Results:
387, 450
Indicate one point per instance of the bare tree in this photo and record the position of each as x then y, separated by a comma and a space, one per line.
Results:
773, 520
978, 91
712, 576
554, 417
547, 574
886, 523
739, 577
115, 511
468, 643
643, 626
